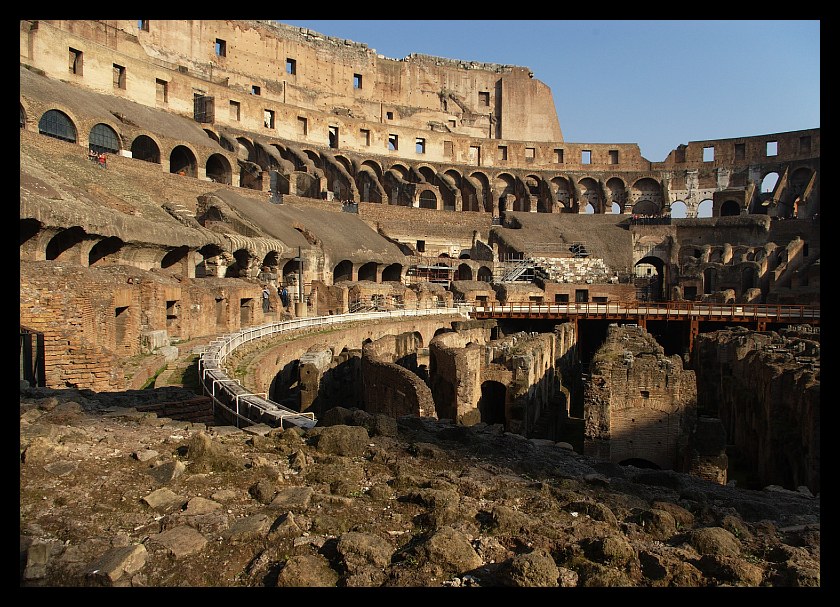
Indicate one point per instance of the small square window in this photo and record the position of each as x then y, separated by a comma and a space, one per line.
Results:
558, 156
420, 146
421, 246
291, 67
221, 48
255, 90
708, 154
530, 153
452, 124
772, 148
143, 25
484, 98
389, 115
357, 81
586, 157
613, 156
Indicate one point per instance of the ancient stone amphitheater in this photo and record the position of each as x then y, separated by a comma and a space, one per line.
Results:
252, 226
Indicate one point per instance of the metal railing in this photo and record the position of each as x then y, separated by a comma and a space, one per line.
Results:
248, 408
674, 310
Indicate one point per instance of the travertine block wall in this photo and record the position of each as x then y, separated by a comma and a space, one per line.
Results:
392, 389
765, 387
638, 403
455, 376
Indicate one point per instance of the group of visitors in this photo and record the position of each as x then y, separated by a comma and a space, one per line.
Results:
282, 293
98, 158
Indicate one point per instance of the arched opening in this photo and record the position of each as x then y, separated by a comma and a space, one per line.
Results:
392, 273
485, 274
615, 209
218, 169
428, 200
768, 184
182, 162
464, 272
678, 210
648, 278
368, 271
730, 208
709, 279
104, 248
103, 138
211, 256
291, 272
343, 271
705, 208
145, 148
239, 268
58, 125
174, 257
64, 241
491, 405
29, 228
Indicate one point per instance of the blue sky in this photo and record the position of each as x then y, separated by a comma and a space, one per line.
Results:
654, 83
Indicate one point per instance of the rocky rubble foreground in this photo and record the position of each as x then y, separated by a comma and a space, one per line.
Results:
110, 496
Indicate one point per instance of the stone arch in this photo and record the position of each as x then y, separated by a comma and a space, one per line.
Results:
705, 208
616, 192
145, 148
650, 285
343, 271
485, 274
289, 272
392, 273
105, 248
590, 194
504, 186
647, 189
241, 266
769, 181
66, 240
103, 138
174, 257
58, 125
427, 199
563, 191
483, 192
730, 208
218, 169
367, 271
678, 209
211, 263
464, 272
182, 161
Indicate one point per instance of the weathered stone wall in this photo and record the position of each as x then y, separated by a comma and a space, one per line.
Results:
765, 388
390, 388
638, 404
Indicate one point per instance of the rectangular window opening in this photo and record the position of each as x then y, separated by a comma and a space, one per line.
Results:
772, 148
452, 124
645, 393
75, 62
302, 125
161, 90
503, 152
365, 135
234, 111
708, 154
447, 149
613, 156
393, 143
268, 119
530, 153
389, 115
119, 76
357, 81
143, 25
421, 246
291, 67
221, 48
581, 295
333, 135
420, 145
586, 157
484, 98
558, 156
475, 155
255, 90
740, 151
561, 298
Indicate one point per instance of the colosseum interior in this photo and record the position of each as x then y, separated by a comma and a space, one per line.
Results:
473, 265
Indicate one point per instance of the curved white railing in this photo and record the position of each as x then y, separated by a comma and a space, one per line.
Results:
247, 408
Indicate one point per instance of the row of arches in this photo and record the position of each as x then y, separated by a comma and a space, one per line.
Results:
421, 186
